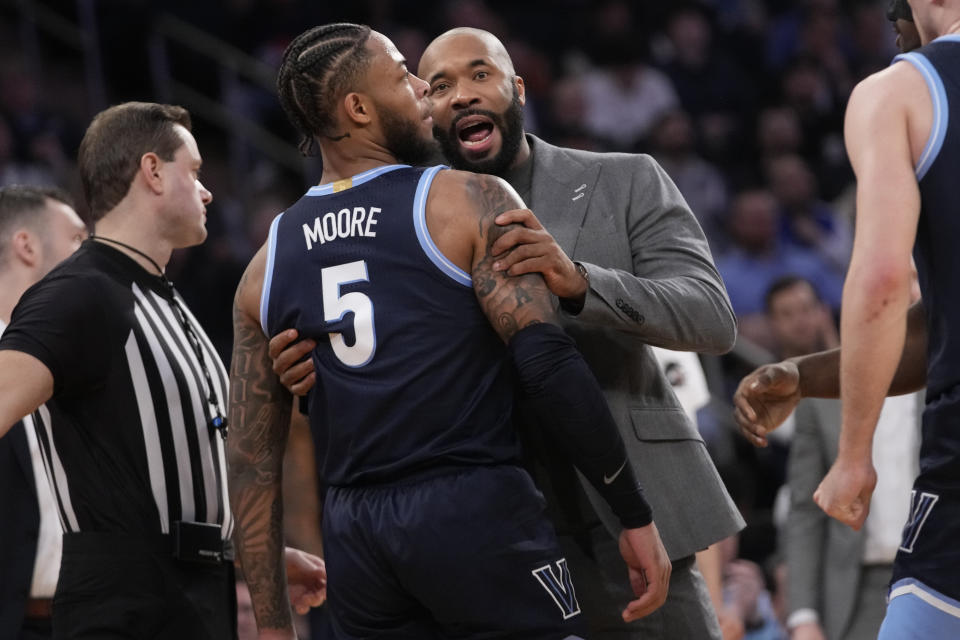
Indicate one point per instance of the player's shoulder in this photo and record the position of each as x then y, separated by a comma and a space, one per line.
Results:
474, 192
467, 181
896, 84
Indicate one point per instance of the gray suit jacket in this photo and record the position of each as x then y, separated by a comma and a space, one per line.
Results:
652, 281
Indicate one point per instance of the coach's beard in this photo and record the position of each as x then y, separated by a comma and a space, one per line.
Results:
510, 125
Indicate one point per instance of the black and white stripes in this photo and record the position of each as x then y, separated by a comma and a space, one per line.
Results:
169, 413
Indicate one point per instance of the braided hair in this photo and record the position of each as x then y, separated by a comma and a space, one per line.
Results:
318, 66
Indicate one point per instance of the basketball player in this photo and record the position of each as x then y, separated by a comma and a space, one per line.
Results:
431, 529
904, 148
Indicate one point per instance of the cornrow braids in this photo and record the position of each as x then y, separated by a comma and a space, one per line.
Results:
317, 67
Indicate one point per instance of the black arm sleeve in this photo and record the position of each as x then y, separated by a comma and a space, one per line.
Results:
563, 393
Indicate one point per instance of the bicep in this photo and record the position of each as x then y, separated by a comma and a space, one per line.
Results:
25, 384
509, 302
888, 197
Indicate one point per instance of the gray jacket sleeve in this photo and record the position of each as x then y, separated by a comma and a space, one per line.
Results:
807, 524
674, 296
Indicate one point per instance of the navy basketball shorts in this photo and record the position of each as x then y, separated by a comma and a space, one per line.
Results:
467, 553
930, 545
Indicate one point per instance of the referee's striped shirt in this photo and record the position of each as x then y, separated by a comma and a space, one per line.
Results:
127, 437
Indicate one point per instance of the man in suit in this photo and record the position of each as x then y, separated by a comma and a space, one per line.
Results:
617, 244
838, 577
38, 229
643, 276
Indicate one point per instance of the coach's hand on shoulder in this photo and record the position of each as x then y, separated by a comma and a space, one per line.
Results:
289, 363
306, 579
649, 568
765, 398
531, 249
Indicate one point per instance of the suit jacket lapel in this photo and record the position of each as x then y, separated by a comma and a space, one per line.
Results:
560, 192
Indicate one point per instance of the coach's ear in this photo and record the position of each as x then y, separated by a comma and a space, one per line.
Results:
150, 164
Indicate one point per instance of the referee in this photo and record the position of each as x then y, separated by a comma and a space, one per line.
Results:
132, 430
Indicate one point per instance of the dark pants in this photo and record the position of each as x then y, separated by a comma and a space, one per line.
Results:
112, 587
36, 629
465, 554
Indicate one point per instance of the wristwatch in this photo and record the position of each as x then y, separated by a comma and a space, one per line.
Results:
582, 270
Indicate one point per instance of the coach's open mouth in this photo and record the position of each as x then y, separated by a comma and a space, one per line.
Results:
476, 133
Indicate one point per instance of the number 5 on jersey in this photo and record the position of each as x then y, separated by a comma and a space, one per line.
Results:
336, 306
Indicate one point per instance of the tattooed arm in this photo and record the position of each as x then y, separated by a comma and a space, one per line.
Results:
511, 303
558, 386
259, 423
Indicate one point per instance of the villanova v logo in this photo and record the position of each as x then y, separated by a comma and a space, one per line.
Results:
920, 507
560, 587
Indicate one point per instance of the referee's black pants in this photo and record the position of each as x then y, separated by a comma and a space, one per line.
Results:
113, 587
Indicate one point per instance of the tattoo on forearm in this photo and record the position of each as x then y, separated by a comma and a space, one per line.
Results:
259, 419
514, 301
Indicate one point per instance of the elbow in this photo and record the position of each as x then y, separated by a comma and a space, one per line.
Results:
719, 335
879, 282
725, 336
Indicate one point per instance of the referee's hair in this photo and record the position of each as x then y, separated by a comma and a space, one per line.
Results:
23, 206
114, 143
317, 69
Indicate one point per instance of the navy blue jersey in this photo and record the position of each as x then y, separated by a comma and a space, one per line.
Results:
410, 374
930, 550
935, 252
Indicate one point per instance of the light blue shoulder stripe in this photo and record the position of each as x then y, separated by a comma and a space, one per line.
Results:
268, 273
941, 113
360, 178
423, 233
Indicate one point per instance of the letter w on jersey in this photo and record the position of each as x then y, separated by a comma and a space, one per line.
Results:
921, 504
559, 585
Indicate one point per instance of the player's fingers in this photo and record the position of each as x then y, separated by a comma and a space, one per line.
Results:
749, 430
650, 601
519, 216
301, 388
743, 404
296, 373
292, 355
281, 341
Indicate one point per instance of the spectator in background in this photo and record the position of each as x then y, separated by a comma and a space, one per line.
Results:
778, 133
756, 258
745, 594
805, 87
37, 134
710, 86
806, 221
15, 171
800, 323
624, 94
701, 183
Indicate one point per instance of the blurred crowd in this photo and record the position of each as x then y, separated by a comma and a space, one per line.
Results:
741, 101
